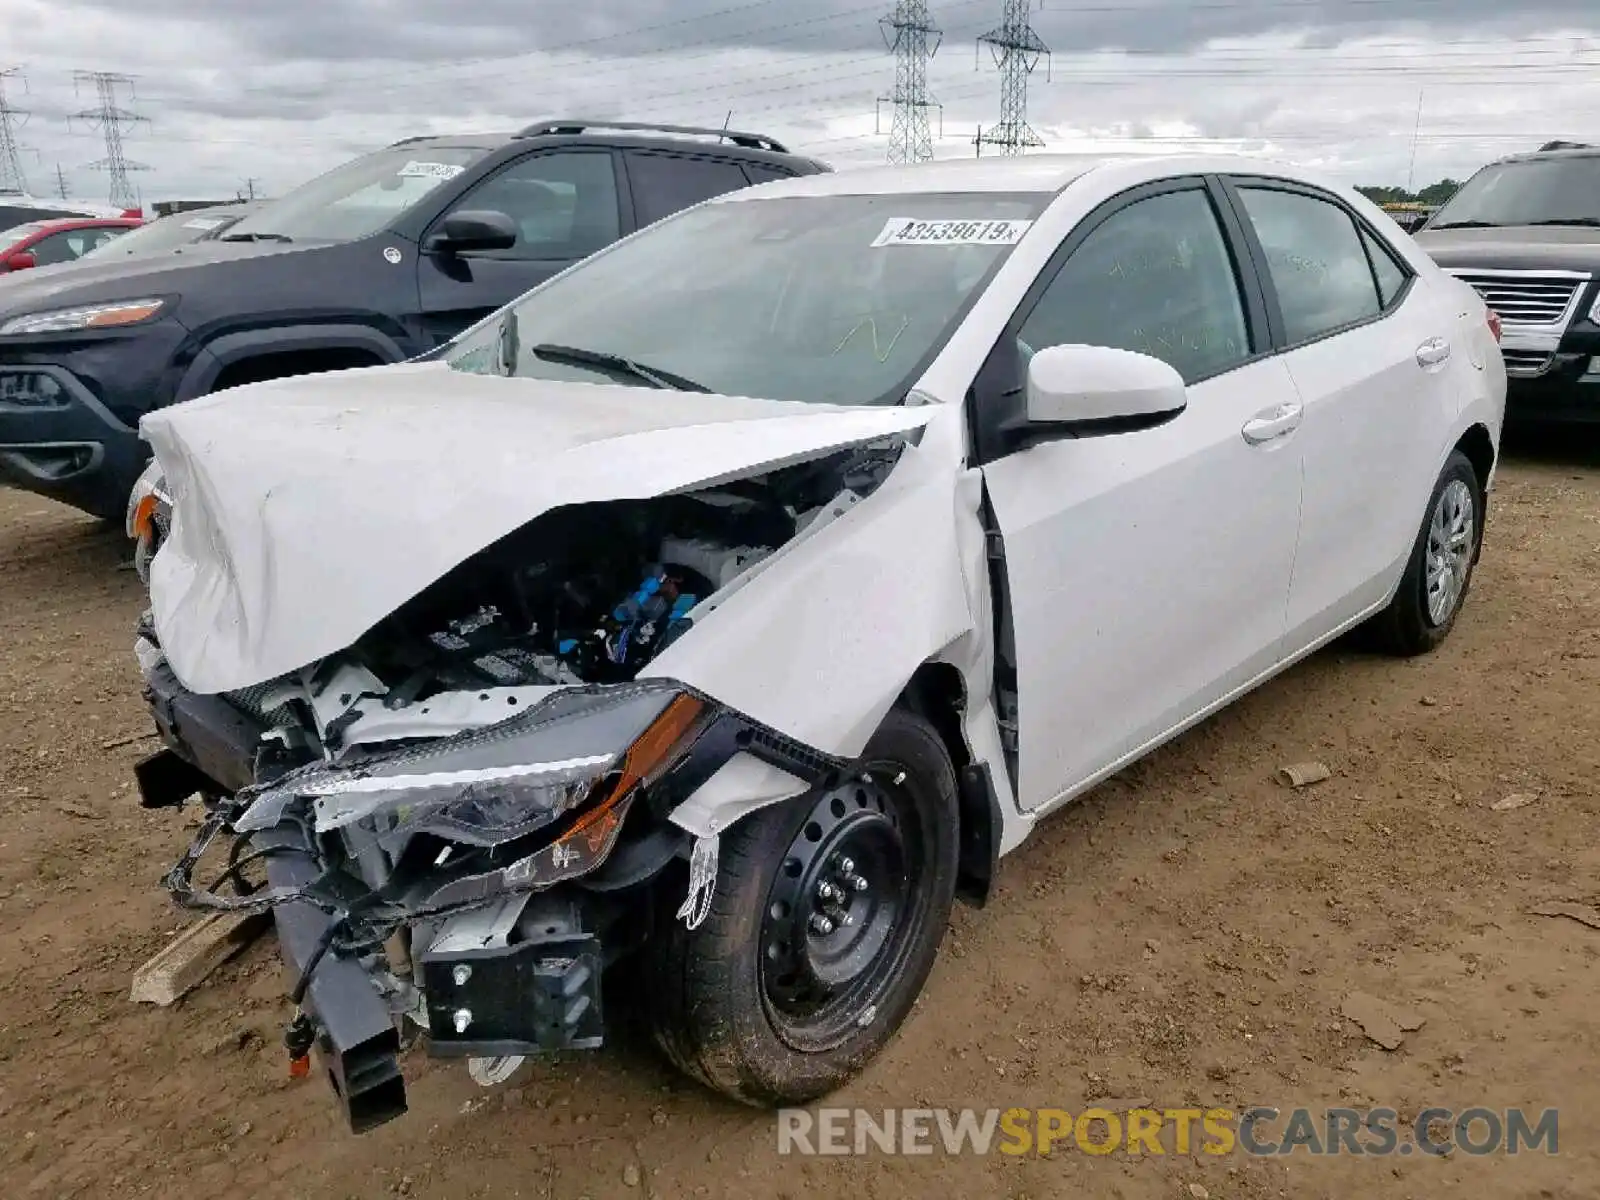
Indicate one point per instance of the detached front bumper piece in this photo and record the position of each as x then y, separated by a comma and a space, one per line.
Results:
357, 1037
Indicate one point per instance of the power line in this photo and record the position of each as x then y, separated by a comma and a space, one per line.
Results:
111, 119
1017, 50
391, 79
61, 182
915, 41
11, 177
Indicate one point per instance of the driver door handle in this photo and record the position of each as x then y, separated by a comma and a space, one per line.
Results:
1270, 424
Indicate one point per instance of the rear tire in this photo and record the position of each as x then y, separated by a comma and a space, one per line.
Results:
770, 1002
1439, 572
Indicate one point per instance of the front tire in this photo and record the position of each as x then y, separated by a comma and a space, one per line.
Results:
1439, 571
825, 922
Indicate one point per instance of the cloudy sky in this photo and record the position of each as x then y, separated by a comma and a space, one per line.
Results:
238, 90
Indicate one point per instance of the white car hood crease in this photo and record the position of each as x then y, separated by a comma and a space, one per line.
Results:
306, 510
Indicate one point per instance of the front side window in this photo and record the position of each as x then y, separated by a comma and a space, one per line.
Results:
1553, 191
1154, 277
358, 199
1317, 262
564, 204
826, 299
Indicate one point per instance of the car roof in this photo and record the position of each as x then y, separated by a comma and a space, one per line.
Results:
1038, 173
1564, 152
62, 224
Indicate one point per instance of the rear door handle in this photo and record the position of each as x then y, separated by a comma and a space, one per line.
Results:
1433, 352
1270, 424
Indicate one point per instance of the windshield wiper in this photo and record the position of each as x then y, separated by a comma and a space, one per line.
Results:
1466, 225
255, 237
617, 365
1588, 222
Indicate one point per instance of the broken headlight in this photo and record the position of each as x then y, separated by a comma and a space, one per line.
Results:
501, 783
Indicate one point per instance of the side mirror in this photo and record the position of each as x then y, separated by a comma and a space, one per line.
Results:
1410, 222
1073, 385
21, 261
484, 229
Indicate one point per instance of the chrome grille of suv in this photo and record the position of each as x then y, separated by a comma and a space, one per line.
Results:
1527, 297
1526, 362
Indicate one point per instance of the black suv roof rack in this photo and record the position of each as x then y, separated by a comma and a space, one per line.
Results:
1560, 145
750, 141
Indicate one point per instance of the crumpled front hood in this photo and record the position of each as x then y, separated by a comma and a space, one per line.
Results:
306, 510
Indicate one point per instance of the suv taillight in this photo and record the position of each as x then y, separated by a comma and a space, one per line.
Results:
1494, 323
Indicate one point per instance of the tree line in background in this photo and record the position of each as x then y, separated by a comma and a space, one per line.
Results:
1434, 193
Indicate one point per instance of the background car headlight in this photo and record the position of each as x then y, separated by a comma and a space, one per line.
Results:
97, 316
500, 783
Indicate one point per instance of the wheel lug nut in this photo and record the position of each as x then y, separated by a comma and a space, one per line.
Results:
846, 866
856, 882
826, 891
821, 924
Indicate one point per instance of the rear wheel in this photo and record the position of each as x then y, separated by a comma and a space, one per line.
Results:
1439, 571
825, 922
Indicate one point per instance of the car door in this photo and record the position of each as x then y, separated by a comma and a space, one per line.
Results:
1146, 572
565, 204
663, 183
1369, 349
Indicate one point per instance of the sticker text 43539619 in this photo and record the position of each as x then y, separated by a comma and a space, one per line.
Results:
910, 231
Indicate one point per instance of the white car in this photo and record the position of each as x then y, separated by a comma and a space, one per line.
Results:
740, 596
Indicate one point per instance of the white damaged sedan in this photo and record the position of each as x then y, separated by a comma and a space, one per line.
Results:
724, 608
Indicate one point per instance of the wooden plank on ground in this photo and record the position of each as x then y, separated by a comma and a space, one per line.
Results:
190, 957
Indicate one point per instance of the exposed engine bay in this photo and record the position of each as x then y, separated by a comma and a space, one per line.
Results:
588, 594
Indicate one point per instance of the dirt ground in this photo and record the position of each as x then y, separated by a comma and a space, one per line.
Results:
1185, 935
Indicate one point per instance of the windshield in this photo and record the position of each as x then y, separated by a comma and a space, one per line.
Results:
357, 199
826, 299
168, 233
1552, 191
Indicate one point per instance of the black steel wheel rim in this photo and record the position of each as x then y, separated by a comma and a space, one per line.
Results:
842, 911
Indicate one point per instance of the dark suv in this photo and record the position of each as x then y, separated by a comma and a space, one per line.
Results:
377, 261
1525, 232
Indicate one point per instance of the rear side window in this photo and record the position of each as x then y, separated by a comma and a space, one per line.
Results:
1391, 276
763, 173
665, 183
1317, 262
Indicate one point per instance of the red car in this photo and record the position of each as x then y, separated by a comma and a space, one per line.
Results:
45, 243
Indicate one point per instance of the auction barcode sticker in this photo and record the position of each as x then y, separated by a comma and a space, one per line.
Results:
429, 170
910, 231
